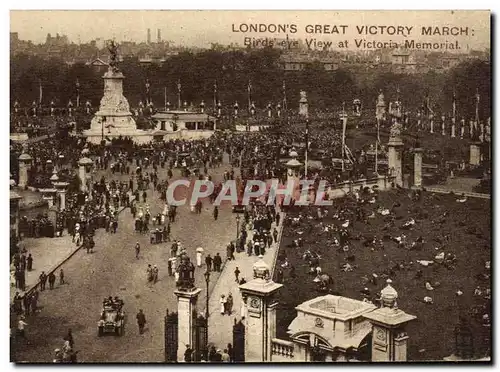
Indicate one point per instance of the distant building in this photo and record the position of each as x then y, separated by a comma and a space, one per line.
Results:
98, 65
173, 121
450, 61
57, 41
149, 36
298, 62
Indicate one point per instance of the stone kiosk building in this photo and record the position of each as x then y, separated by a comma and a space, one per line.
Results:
326, 328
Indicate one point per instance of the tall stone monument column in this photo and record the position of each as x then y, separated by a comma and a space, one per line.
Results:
390, 340
303, 105
260, 323
187, 298
114, 117
395, 150
417, 165
24, 163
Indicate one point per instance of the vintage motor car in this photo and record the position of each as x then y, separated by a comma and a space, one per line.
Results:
112, 318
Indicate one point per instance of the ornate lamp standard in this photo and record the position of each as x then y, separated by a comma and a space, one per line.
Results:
207, 281
237, 227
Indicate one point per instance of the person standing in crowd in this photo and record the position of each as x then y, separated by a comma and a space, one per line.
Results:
222, 303
29, 262
188, 354
61, 277
208, 262
216, 213
229, 304
69, 337
43, 280
217, 262
137, 250
237, 274
21, 324
230, 351
198, 258
141, 321
52, 280
225, 357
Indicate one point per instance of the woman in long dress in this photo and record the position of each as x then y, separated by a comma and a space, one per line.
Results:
198, 258
222, 302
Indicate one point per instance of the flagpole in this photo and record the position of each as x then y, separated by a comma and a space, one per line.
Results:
40, 93
77, 93
477, 106
165, 97
148, 100
344, 122
179, 94
249, 96
215, 96
307, 148
376, 146
284, 96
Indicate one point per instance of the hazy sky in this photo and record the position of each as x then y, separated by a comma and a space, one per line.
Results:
200, 28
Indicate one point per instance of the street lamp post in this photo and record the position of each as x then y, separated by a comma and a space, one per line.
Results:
237, 228
207, 281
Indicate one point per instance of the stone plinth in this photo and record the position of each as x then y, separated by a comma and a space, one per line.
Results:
417, 161
389, 339
186, 307
395, 147
303, 105
14, 211
84, 165
48, 195
260, 324
61, 188
24, 163
475, 154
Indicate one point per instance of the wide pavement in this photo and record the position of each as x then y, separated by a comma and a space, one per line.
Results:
113, 270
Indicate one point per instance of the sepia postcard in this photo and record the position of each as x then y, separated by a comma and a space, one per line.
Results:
250, 186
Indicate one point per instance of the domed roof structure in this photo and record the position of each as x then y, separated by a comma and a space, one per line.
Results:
24, 156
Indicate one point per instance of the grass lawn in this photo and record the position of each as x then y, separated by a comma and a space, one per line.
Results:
462, 229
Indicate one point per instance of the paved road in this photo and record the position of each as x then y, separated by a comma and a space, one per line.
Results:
114, 270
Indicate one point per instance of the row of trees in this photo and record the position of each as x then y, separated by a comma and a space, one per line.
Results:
232, 71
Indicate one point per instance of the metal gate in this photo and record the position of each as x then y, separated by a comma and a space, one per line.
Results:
171, 337
239, 341
200, 346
